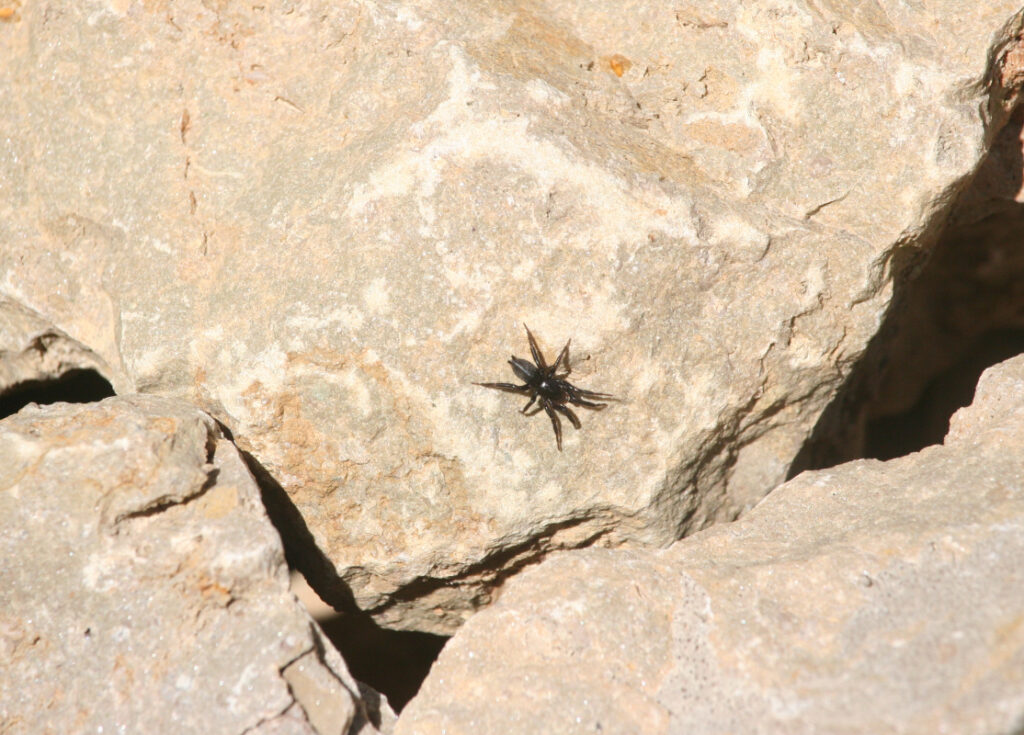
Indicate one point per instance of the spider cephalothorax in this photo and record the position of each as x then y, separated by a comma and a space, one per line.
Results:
549, 388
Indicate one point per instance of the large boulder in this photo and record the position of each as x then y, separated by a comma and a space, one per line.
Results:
873, 597
143, 588
322, 221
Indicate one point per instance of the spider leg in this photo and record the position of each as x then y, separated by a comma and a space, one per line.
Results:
507, 387
578, 396
568, 412
594, 394
535, 351
555, 423
563, 355
527, 406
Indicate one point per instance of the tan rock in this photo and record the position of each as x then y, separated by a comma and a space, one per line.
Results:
32, 350
143, 589
873, 597
322, 221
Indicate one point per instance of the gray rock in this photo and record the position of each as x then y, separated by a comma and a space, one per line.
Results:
873, 597
322, 221
142, 587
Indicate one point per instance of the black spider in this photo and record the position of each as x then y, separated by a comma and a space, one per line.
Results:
548, 387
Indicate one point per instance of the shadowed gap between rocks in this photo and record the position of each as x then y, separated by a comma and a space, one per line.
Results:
956, 310
393, 662
80, 385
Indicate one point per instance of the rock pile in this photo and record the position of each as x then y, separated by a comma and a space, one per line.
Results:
292, 236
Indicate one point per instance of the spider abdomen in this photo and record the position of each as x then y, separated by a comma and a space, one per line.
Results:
525, 370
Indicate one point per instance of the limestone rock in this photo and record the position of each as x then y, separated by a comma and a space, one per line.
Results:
142, 587
873, 597
32, 350
321, 221
962, 312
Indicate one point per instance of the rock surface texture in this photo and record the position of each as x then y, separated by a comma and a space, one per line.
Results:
875, 597
321, 221
33, 351
143, 589
962, 311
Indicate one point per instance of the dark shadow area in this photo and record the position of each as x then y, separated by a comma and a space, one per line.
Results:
957, 309
927, 421
300, 549
74, 386
394, 662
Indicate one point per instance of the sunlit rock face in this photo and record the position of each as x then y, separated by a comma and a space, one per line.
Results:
871, 597
144, 589
321, 222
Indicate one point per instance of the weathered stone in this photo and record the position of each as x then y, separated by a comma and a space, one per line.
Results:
873, 597
962, 312
142, 587
33, 350
321, 221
